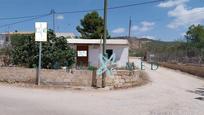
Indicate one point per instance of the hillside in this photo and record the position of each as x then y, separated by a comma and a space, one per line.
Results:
135, 42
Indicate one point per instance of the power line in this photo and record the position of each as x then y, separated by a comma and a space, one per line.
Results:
69, 12
137, 4
22, 17
26, 20
32, 17
82, 11
112, 8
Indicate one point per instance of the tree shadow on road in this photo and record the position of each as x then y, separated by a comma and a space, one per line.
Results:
200, 92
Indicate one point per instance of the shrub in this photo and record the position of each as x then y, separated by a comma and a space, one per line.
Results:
55, 52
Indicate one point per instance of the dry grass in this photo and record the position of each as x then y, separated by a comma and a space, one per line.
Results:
144, 78
192, 69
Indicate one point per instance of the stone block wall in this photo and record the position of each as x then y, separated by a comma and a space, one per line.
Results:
122, 79
48, 77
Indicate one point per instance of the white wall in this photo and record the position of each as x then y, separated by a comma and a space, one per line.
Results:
121, 52
2, 40
93, 58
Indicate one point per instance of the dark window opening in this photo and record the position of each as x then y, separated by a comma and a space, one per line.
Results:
109, 53
7, 39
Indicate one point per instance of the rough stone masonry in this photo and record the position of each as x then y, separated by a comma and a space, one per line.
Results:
85, 78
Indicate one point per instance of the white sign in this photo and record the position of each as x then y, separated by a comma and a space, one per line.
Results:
82, 53
41, 31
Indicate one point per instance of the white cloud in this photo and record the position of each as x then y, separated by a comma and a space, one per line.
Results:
118, 30
143, 27
59, 17
172, 3
134, 28
184, 17
146, 26
149, 37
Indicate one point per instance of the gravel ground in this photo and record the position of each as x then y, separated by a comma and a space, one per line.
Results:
170, 93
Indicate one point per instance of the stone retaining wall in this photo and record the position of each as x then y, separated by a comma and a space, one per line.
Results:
124, 79
55, 77
87, 78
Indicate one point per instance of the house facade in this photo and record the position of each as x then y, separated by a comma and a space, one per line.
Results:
4, 40
89, 50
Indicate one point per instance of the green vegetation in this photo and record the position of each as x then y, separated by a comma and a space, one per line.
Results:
92, 26
195, 36
137, 53
195, 41
190, 50
55, 52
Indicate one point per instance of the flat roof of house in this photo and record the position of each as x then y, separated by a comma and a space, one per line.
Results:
98, 41
65, 34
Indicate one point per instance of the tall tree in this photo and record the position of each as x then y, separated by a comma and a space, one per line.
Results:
91, 26
195, 41
195, 35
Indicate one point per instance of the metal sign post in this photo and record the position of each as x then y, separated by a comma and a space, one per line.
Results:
40, 36
39, 63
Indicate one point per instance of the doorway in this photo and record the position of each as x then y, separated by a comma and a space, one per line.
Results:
82, 55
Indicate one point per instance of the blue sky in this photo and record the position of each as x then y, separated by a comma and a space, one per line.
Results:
165, 21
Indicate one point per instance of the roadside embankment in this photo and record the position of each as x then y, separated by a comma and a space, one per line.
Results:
191, 69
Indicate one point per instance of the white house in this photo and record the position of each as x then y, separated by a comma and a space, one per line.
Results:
88, 50
4, 40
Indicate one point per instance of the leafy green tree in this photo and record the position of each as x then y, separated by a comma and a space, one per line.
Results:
195, 41
92, 26
55, 52
195, 36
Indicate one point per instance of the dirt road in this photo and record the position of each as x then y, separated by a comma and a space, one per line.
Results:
170, 93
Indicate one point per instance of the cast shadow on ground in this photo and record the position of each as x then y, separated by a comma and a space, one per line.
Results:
200, 92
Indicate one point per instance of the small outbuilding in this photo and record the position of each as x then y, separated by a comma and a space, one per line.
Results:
89, 50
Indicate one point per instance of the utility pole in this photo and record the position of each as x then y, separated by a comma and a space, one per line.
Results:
104, 39
53, 19
8, 40
130, 27
8, 37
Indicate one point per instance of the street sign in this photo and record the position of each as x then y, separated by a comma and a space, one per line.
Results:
41, 31
40, 36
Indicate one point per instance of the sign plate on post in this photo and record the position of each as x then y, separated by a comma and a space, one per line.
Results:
41, 31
